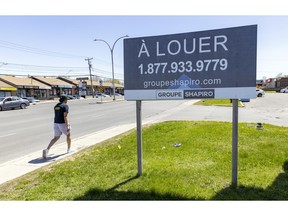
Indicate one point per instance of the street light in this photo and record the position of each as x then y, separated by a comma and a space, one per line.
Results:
111, 50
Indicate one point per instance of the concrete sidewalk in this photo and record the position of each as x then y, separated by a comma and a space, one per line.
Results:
20, 166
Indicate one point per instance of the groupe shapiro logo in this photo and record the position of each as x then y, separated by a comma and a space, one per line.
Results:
169, 94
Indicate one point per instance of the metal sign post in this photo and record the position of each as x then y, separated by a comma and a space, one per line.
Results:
139, 136
235, 143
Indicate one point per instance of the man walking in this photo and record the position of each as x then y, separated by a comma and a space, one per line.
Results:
61, 125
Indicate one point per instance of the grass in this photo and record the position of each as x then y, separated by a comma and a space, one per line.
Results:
200, 169
217, 102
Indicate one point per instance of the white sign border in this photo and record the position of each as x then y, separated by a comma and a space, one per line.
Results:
220, 93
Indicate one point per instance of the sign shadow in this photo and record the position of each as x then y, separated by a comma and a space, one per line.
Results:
278, 190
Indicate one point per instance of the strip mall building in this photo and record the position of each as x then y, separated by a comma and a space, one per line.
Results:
49, 87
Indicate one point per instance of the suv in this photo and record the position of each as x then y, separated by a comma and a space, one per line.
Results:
12, 103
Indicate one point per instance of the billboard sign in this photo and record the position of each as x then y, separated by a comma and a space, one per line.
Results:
207, 64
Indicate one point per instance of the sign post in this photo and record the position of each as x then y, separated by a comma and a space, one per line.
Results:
139, 136
235, 143
218, 64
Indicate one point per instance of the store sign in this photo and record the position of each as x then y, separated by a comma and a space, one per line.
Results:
64, 86
8, 89
208, 64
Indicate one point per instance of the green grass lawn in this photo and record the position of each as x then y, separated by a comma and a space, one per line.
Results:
216, 102
200, 169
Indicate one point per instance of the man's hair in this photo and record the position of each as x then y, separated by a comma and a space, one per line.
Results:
62, 99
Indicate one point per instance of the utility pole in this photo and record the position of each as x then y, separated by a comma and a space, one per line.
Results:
90, 67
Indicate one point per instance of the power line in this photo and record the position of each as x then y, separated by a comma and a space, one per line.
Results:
9, 68
41, 68
23, 48
19, 47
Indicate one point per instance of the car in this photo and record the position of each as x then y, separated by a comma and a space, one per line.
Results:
13, 102
101, 95
31, 100
78, 97
70, 97
260, 92
284, 90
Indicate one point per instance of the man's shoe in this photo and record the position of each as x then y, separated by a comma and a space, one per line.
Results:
70, 150
45, 153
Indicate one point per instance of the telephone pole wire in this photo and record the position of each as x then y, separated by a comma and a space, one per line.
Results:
90, 67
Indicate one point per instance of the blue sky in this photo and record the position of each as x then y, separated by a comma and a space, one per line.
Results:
69, 40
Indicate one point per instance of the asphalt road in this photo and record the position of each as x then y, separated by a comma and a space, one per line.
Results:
29, 130
270, 109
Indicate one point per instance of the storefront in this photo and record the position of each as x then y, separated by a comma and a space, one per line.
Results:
6, 89
57, 86
25, 87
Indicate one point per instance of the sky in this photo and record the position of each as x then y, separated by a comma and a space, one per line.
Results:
58, 45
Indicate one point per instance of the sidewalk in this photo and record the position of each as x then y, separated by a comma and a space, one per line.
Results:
20, 166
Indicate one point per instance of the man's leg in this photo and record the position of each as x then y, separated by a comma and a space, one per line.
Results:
68, 140
52, 142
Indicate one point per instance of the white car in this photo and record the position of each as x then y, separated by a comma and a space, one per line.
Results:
284, 90
260, 92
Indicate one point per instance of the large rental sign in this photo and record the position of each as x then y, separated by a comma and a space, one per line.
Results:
208, 64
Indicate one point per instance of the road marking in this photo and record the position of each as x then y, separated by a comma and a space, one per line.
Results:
7, 135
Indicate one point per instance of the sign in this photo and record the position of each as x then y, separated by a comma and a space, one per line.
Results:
8, 89
82, 78
101, 88
208, 64
64, 86
30, 87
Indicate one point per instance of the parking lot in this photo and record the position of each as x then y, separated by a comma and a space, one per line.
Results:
271, 109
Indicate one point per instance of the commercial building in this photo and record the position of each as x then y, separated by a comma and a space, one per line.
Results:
52, 87
24, 87
6, 89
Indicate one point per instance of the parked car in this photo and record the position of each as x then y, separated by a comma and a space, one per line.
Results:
260, 92
70, 97
12, 103
78, 97
284, 90
31, 100
101, 94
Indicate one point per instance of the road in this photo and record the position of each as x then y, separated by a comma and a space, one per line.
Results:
31, 129
270, 109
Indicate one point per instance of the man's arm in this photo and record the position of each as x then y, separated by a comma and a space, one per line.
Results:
66, 120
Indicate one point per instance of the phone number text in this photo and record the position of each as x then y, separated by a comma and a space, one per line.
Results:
184, 66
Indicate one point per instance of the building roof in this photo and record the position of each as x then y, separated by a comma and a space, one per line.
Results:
6, 87
108, 84
54, 82
23, 82
69, 80
95, 83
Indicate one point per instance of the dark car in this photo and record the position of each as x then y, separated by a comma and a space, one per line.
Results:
69, 97
12, 103
31, 100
